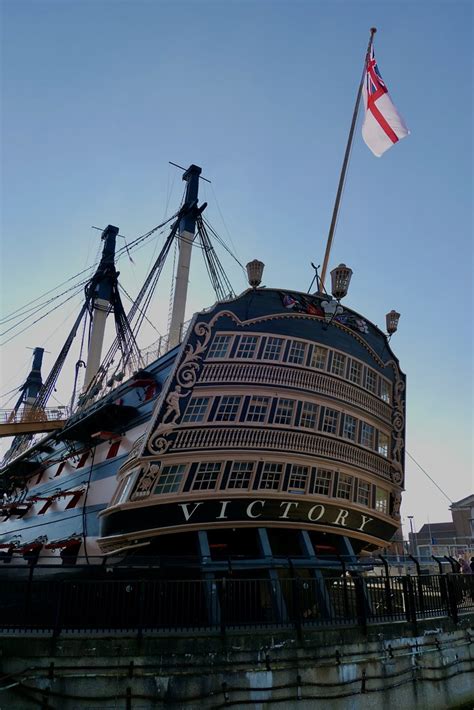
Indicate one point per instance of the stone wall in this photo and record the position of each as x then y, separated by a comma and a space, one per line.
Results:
389, 667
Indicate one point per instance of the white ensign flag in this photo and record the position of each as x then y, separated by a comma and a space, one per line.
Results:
383, 126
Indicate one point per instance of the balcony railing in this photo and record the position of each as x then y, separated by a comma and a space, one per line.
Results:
296, 378
244, 437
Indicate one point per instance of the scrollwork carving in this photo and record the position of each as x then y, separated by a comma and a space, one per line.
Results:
188, 371
146, 482
186, 377
398, 425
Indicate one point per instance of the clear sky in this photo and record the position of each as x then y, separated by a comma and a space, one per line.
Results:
98, 95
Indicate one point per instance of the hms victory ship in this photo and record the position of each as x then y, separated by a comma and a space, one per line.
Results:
269, 428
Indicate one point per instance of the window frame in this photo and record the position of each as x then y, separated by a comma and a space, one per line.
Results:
266, 344
250, 478
372, 374
336, 423
302, 352
385, 396
163, 473
344, 479
343, 356
217, 336
358, 368
345, 429
361, 483
314, 359
292, 413
205, 414
280, 473
292, 488
363, 432
264, 420
329, 480
383, 450
381, 504
238, 407
316, 408
218, 473
244, 339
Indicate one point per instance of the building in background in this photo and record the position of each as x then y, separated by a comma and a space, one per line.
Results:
452, 538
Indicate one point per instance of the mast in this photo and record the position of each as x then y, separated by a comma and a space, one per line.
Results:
34, 380
187, 227
101, 290
345, 163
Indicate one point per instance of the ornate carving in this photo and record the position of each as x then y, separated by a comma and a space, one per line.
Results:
397, 501
186, 377
147, 480
187, 373
159, 443
398, 425
133, 452
172, 400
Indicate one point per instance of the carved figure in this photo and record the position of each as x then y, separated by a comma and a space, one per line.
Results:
172, 400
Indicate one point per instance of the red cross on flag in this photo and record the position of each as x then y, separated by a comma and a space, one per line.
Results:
383, 126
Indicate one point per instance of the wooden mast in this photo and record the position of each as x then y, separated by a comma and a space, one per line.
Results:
345, 163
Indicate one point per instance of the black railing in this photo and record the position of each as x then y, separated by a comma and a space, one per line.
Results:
229, 603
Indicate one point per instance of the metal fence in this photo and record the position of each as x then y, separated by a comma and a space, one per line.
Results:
228, 603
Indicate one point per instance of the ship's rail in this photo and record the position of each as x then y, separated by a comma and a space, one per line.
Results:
296, 378
223, 604
51, 414
31, 421
244, 437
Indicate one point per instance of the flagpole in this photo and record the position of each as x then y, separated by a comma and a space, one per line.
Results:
342, 177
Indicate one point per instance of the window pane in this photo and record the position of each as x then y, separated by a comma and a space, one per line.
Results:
258, 408
206, 476
297, 352
344, 486
240, 474
330, 420
371, 380
383, 444
319, 357
247, 346
323, 482
228, 408
219, 346
272, 350
309, 413
170, 478
381, 500
298, 478
355, 372
338, 364
284, 411
367, 435
363, 493
271, 476
196, 409
385, 391
128, 484
350, 427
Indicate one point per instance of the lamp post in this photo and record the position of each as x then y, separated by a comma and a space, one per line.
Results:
414, 541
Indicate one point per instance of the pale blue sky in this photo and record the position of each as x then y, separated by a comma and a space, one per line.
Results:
98, 96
